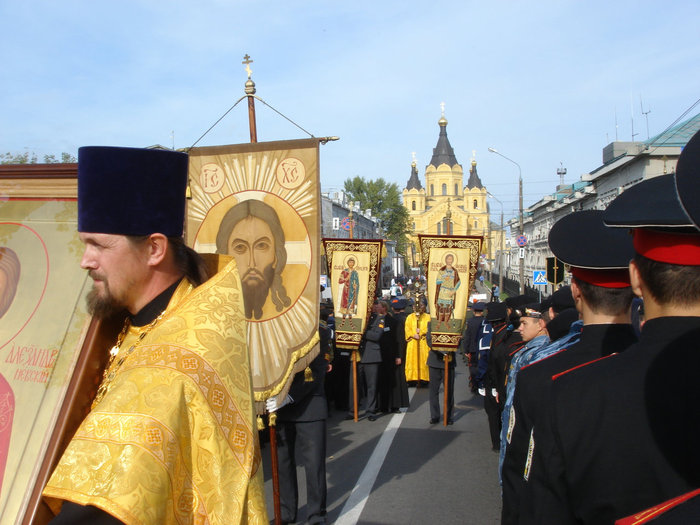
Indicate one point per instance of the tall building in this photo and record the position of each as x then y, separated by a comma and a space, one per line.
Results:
445, 206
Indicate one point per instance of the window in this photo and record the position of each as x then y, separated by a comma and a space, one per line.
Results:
431, 190
456, 189
439, 228
476, 204
476, 224
413, 205
444, 189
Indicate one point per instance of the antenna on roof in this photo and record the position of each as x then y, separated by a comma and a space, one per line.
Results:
645, 113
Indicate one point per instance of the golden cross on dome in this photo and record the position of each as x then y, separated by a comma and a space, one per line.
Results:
413, 156
247, 61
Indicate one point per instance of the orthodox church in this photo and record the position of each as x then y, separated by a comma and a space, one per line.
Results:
446, 206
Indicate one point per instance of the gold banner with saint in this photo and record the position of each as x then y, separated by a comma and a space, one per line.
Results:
259, 203
450, 268
353, 272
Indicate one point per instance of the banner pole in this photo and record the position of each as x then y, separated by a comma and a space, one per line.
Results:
447, 358
354, 383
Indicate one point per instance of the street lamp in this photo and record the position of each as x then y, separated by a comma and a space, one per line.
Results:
521, 265
500, 256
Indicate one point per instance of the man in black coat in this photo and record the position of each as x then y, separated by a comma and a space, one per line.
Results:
301, 420
398, 396
470, 342
436, 371
601, 292
623, 429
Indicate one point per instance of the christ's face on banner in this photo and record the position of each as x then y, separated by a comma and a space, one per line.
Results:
252, 233
253, 246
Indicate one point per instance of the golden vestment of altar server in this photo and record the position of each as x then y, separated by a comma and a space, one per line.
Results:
174, 438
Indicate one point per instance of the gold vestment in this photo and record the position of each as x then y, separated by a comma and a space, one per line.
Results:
174, 438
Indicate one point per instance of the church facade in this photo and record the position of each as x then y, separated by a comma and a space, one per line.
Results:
446, 206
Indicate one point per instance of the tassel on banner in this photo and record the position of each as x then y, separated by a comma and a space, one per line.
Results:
261, 423
308, 375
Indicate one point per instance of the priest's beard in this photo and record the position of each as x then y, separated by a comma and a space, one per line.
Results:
255, 290
103, 306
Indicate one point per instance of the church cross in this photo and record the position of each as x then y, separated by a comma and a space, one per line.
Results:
247, 61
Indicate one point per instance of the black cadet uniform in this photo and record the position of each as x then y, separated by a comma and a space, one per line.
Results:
623, 429
604, 253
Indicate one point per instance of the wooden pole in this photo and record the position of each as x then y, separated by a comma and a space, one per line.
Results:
447, 358
274, 464
354, 383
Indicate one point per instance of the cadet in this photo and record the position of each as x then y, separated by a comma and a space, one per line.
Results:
624, 428
601, 291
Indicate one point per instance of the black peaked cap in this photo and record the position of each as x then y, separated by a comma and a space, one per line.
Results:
582, 239
652, 203
688, 179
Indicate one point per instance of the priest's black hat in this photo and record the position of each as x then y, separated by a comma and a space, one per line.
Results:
131, 191
596, 254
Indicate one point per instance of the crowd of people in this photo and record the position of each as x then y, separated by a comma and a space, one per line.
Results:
591, 396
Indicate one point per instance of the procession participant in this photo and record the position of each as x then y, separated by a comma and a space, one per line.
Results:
601, 291
469, 342
493, 386
416, 329
623, 428
436, 370
301, 420
533, 332
399, 392
171, 436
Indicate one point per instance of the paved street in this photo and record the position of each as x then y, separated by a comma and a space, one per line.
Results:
400, 469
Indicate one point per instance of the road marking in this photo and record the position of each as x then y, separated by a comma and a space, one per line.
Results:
350, 515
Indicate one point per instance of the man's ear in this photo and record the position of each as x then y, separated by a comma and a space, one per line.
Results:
157, 248
636, 279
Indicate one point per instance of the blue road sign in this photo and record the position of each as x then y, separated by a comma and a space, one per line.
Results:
539, 277
521, 240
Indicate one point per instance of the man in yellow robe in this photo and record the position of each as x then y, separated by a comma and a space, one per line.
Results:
171, 437
416, 330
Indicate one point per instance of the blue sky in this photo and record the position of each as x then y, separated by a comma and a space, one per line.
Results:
542, 82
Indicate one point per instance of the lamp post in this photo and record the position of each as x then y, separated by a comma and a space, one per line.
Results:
521, 265
500, 256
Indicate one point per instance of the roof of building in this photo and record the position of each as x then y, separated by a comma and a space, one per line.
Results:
414, 181
443, 152
474, 180
678, 135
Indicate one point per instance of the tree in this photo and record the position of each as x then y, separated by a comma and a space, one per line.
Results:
31, 158
384, 200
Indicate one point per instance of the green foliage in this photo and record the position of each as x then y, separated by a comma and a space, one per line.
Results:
31, 158
384, 199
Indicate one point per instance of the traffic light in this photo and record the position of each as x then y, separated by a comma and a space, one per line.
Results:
555, 270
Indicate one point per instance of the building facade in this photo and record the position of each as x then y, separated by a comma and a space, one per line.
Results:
624, 165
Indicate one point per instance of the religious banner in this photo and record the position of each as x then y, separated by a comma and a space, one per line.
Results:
43, 321
259, 203
450, 268
353, 269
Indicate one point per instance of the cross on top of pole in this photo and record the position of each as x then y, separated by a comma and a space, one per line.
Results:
247, 61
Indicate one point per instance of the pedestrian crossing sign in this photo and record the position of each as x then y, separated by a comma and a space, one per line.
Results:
539, 277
